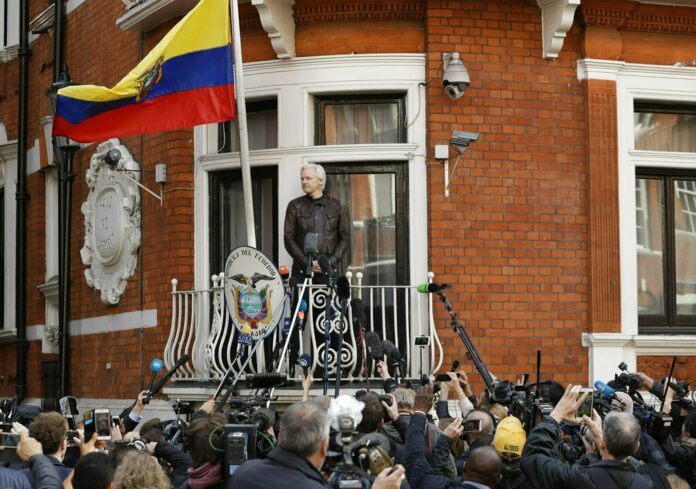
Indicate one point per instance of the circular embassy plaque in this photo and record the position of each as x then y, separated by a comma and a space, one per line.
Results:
254, 292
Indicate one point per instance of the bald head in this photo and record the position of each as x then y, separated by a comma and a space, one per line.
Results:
627, 406
483, 466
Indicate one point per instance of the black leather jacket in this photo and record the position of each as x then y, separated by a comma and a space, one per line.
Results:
334, 234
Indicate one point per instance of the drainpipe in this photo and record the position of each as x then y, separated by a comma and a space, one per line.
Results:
64, 159
22, 198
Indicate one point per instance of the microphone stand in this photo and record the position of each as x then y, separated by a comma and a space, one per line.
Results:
327, 331
464, 336
344, 305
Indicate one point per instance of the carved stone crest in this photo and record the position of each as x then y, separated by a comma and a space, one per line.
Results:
112, 220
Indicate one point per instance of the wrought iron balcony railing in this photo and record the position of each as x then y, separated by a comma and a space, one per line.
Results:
201, 328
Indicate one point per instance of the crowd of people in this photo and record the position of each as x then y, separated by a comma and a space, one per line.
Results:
432, 436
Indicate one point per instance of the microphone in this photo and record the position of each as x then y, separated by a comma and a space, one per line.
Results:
374, 345
343, 288
604, 390
311, 244
168, 375
301, 314
391, 350
356, 305
326, 267
430, 288
155, 366
455, 366
305, 361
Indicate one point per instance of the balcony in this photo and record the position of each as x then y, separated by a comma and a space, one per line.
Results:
201, 328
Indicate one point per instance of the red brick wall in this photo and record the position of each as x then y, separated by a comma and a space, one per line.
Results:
512, 236
658, 367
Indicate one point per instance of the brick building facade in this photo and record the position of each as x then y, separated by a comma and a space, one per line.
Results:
537, 235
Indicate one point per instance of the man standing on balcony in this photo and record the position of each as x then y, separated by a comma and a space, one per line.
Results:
317, 213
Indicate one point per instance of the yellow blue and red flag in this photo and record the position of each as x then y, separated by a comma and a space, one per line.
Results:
186, 80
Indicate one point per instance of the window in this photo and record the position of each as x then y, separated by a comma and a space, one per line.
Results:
360, 119
262, 124
377, 197
664, 127
666, 261
227, 219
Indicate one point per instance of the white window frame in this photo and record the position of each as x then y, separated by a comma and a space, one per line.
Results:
8, 172
636, 82
295, 82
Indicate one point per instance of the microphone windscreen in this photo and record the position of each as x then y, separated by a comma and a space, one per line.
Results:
303, 306
326, 267
156, 365
311, 243
390, 349
374, 345
356, 305
305, 360
343, 288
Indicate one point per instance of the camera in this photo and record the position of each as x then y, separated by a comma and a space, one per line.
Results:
112, 157
9, 440
463, 138
238, 446
455, 77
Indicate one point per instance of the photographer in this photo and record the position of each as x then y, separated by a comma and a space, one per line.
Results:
482, 470
681, 453
617, 441
204, 441
303, 443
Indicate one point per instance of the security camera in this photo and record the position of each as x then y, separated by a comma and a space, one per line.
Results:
463, 138
455, 76
112, 157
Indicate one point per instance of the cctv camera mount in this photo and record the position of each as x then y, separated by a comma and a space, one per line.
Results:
460, 140
455, 77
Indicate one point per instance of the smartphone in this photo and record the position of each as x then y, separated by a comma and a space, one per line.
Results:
9, 440
68, 406
88, 421
586, 408
102, 420
472, 426
70, 435
442, 378
115, 421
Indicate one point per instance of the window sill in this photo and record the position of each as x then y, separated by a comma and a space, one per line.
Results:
644, 344
8, 53
8, 336
147, 14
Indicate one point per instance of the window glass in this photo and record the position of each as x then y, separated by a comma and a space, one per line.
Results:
664, 131
374, 119
262, 125
650, 230
685, 245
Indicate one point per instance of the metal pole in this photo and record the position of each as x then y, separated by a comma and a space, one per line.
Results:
22, 198
242, 120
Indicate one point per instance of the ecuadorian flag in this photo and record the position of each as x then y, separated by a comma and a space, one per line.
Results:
186, 80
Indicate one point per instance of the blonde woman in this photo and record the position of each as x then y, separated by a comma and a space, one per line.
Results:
138, 470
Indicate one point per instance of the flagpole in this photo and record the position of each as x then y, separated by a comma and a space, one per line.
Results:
242, 121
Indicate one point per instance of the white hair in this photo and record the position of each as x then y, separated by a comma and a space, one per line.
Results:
318, 171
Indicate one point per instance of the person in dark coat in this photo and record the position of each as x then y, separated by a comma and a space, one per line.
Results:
303, 443
617, 440
42, 469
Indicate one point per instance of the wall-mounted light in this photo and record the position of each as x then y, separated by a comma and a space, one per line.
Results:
455, 76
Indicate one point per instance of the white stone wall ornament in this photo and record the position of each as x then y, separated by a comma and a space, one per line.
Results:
112, 221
